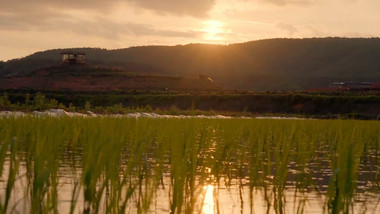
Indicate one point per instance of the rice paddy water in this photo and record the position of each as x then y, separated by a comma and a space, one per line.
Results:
192, 165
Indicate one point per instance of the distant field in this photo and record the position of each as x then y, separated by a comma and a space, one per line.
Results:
114, 165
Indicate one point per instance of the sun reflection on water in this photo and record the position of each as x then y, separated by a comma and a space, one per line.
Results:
208, 203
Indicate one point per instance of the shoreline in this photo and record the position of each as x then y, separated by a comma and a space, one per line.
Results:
288, 105
63, 113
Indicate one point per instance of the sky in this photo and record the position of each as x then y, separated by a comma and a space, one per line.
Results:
27, 26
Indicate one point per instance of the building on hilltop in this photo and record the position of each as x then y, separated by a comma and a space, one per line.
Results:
73, 58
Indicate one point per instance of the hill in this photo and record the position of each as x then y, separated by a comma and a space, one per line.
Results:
89, 78
274, 64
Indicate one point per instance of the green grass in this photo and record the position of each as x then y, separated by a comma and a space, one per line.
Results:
115, 164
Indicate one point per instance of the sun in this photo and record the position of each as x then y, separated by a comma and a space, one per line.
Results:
213, 30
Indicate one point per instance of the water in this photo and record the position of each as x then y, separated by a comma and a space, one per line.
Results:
238, 196
190, 166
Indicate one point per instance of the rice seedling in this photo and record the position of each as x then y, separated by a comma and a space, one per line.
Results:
128, 165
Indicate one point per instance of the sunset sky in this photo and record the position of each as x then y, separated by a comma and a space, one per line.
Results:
27, 26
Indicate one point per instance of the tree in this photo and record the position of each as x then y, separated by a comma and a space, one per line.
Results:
87, 106
71, 107
4, 102
27, 99
39, 101
53, 103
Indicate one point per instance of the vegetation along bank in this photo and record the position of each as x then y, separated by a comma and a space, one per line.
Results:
356, 106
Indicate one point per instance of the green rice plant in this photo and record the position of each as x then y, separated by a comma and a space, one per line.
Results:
12, 174
122, 165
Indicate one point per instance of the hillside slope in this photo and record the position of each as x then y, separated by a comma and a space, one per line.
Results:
88, 78
274, 64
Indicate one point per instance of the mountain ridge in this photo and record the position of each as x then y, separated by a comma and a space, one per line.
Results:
271, 64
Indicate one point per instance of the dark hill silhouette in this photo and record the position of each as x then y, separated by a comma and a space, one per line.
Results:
67, 77
274, 64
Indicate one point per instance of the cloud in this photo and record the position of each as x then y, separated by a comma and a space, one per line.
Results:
289, 28
288, 2
99, 27
28, 6
196, 8
53, 15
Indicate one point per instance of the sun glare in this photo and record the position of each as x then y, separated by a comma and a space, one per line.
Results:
213, 30
208, 203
